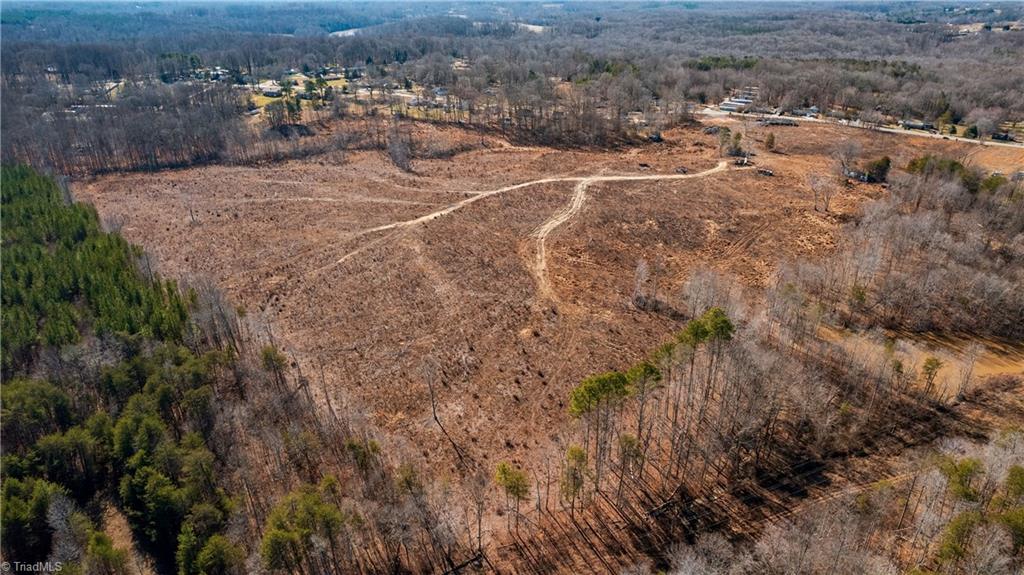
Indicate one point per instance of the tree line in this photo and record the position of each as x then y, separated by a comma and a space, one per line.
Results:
572, 84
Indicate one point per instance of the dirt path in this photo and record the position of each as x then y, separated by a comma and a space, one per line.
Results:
578, 198
574, 206
347, 199
540, 266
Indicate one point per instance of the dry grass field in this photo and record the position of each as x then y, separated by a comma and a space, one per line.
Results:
492, 269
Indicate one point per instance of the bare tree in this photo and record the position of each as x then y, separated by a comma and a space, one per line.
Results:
967, 363
399, 148
846, 154
824, 189
640, 284
430, 370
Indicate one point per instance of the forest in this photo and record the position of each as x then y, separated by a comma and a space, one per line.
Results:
126, 414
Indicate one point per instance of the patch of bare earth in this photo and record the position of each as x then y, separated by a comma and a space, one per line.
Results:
115, 525
327, 252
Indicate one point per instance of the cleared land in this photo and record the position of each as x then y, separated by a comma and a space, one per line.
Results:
511, 268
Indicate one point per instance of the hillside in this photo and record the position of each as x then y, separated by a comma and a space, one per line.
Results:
403, 288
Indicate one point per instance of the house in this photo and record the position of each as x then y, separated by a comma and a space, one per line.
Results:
270, 89
735, 104
806, 112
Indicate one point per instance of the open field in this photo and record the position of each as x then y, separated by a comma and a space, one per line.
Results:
493, 265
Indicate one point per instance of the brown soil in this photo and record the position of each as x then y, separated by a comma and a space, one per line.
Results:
335, 258
115, 525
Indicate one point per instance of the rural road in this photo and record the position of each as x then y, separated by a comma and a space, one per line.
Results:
579, 196
713, 113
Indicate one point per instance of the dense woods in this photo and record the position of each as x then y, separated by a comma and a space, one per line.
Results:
61, 272
101, 397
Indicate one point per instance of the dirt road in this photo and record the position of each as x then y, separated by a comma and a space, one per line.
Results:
558, 219
574, 206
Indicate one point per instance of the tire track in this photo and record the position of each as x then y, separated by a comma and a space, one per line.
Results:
579, 196
540, 265
575, 205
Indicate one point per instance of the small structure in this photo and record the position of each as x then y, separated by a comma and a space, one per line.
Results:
912, 125
778, 121
765, 172
270, 89
858, 175
806, 112
737, 104
636, 118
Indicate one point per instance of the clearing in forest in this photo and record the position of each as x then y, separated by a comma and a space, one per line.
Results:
511, 268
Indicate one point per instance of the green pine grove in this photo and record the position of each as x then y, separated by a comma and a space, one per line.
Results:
134, 430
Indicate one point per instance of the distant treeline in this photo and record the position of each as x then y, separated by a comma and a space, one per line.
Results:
649, 59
